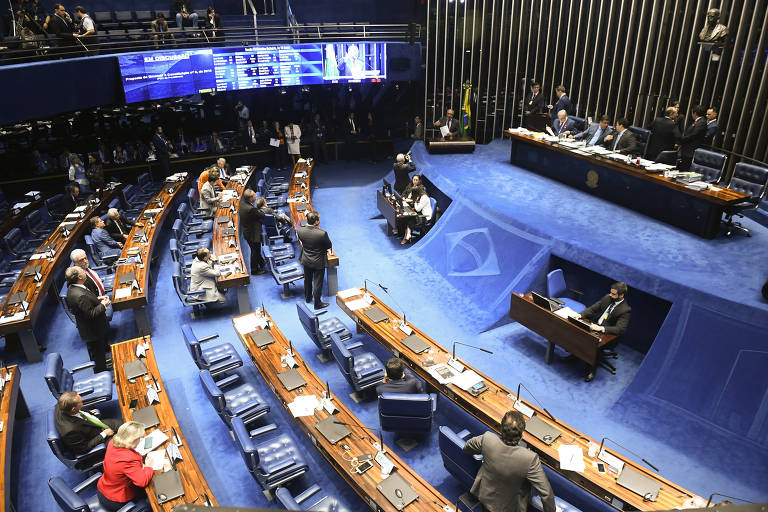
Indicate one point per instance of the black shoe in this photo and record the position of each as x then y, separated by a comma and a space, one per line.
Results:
590, 376
307, 300
321, 305
258, 272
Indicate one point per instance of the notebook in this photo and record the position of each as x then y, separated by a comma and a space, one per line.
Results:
639, 483
168, 486
416, 344
147, 416
127, 278
134, 369
291, 379
376, 315
542, 430
262, 338
390, 486
332, 431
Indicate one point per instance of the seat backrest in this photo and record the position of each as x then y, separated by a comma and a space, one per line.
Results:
308, 319
212, 391
287, 500
462, 466
579, 123
58, 378
709, 163
175, 254
123, 16
193, 344
749, 179
177, 231
67, 499
92, 250
53, 204
642, 135
102, 16
405, 412
144, 16
34, 219
12, 239
64, 304
128, 192
143, 179
182, 212
245, 444
191, 197
341, 354
555, 283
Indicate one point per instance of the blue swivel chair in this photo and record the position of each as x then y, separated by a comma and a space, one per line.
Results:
102, 259
556, 289
40, 224
186, 239
284, 274
194, 224
74, 499
53, 205
642, 135
95, 388
147, 186
406, 412
320, 332
363, 370
90, 461
748, 179
218, 360
710, 164
272, 462
275, 184
580, 123
18, 246
307, 500
241, 401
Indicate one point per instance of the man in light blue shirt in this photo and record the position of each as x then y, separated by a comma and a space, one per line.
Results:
104, 242
596, 132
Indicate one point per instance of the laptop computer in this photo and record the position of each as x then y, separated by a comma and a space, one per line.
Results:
416, 344
134, 369
147, 416
399, 492
17, 298
581, 324
291, 379
542, 430
639, 483
262, 338
376, 315
168, 485
544, 302
332, 431
127, 278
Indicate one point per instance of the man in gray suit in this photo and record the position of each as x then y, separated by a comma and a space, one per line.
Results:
314, 257
622, 140
209, 200
595, 134
504, 481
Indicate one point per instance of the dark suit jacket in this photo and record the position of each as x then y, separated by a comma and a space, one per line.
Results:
314, 246
77, 434
570, 125
402, 175
693, 137
617, 321
535, 105
564, 103
664, 136
712, 130
90, 314
453, 126
348, 127
587, 134
251, 219
62, 29
408, 384
68, 203
505, 479
111, 227
627, 143
161, 145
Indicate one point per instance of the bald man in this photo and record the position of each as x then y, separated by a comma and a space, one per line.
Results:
89, 311
451, 122
563, 125
100, 286
117, 225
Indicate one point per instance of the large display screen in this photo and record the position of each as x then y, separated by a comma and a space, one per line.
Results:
165, 74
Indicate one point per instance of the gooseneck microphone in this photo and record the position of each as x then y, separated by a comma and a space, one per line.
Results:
536, 399
709, 501
630, 451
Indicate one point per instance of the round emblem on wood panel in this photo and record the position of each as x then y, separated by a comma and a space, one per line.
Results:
592, 178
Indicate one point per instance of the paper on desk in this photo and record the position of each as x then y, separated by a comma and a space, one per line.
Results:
467, 379
302, 160
80, 209
349, 292
19, 206
357, 304
295, 200
123, 293
156, 460
228, 194
16, 316
249, 323
443, 373
157, 437
37, 257
304, 405
566, 312
275, 143
571, 457
444, 131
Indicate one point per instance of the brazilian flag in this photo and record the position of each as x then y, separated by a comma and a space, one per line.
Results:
466, 111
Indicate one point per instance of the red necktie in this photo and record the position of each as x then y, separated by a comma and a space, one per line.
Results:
96, 280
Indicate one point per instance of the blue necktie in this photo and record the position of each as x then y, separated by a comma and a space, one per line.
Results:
595, 137
616, 142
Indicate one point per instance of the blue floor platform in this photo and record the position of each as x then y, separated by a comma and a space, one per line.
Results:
694, 400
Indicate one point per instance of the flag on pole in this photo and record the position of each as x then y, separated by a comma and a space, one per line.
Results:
466, 111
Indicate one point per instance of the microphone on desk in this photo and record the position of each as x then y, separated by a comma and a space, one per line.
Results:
454, 363
379, 445
537, 401
624, 447
385, 289
709, 501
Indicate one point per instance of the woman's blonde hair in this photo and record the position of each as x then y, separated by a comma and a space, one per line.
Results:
128, 434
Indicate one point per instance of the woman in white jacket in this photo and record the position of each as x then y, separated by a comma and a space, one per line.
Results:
423, 207
293, 139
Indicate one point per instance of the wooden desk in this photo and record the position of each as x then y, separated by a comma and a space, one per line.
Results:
12, 406
489, 407
699, 212
138, 299
440, 145
361, 440
194, 483
300, 187
558, 331
8, 220
241, 279
394, 215
36, 291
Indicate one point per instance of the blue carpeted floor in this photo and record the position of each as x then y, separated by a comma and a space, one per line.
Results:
344, 195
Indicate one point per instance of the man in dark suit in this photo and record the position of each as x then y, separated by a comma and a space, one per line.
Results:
100, 285
351, 134
314, 257
509, 472
398, 380
449, 121
664, 134
535, 103
609, 315
562, 103
713, 129
403, 168
596, 132
163, 149
90, 316
79, 430
61, 27
693, 137
251, 219
623, 140
563, 125
69, 201
117, 225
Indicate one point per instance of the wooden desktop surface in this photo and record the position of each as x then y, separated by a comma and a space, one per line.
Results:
191, 476
296, 187
9, 220
268, 363
7, 416
489, 407
221, 243
722, 197
36, 292
138, 298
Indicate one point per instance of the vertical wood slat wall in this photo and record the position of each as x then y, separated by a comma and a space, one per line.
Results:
618, 57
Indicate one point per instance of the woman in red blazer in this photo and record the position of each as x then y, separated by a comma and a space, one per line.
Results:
125, 474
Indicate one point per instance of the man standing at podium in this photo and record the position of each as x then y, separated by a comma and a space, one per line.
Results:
451, 123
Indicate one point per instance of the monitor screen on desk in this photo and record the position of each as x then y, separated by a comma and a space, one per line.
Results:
386, 188
398, 199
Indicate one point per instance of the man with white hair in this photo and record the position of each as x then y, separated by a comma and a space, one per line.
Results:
403, 167
223, 167
563, 125
101, 287
117, 225
89, 311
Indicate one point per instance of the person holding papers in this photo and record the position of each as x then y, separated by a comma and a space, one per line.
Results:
609, 315
125, 474
563, 125
450, 123
277, 142
203, 274
80, 430
509, 471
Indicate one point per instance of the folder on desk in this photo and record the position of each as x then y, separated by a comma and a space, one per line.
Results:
135, 369
168, 486
639, 483
138, 235
147, 216
542, 430
301, 207
17, 298
127, 278
31, 271
376, 315
228, 232
262, 338
331, 430
291, 379
46, 248
222, 220
146, 416
416, 344
69, 226
393, 483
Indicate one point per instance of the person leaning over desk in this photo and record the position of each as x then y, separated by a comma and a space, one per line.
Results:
125, 474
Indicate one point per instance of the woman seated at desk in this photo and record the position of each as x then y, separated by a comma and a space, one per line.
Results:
423, 208
408, 192
125, 474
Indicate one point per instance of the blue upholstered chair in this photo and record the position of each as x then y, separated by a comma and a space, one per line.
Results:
194, 204
4, 204
195, 225
95, 388
74, 499
93, 460
748, 179
218, 359
147, 186
274, 200
320, 332
241, 401
408, 413
53, 205
39, 223
643, 135
709, 163
307, 500
18, 246
102, 259
272, 462
195, 298
580, 124
284, 274
275, 184
556, 289
363, 370
186, 239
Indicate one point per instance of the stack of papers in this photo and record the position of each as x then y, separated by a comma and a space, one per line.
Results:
123, 293
151, 442
444, 373
467, 379
571, 457
296, 200
249, 323
19, 206
350, 292
566, 312
16, 316
304, 405
157, 461
357, 304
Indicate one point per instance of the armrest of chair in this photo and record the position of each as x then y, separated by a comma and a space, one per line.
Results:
196, 293
18, 262
433, 398
86, 391
84, 366
246, 408
208, 338
368, 373
353, 345
321, 312
132, 507
218, 359
227, 381
37, 241
91, 480
463, 434
188, 251
306, 494
262, 430
274, 468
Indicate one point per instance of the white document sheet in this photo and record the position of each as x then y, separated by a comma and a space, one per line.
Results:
123, 293
443, 373
249, 323
156, 460
357, 304
444, 131
157, 438
275, 143
571, 457
566, 312
349, 292
304, 405
467, 379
